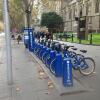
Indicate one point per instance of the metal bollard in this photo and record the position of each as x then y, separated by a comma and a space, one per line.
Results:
67, 73
58, 66
91, 37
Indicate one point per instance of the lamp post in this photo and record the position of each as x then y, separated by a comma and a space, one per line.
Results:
8, 42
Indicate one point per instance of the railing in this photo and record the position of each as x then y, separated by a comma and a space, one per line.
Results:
92, 39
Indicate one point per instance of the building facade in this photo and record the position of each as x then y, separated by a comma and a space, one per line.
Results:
88, 8
73, 8
70, 9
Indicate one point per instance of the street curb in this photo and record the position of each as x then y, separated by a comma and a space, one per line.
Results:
77, 88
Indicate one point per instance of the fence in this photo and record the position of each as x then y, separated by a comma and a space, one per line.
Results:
93, 39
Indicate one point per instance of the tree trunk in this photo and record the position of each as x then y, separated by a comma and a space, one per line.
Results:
28, 19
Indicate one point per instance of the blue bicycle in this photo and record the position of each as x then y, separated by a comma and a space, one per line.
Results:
85, 65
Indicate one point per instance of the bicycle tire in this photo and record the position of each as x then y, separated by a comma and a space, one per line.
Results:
43, 57
40, 54
71, 53
80, 55
84, 71
50, 68
47, 58
75, 59
35, 51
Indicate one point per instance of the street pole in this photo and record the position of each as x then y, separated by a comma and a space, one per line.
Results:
8, 43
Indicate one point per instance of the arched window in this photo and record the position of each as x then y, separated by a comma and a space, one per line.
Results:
70, 13
87, 8
81, 13
97, 6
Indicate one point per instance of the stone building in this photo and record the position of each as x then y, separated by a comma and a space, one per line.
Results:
69, 9
89, 8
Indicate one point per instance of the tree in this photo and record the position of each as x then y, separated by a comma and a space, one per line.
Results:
52, 21
1, 9
16, 14
28, 6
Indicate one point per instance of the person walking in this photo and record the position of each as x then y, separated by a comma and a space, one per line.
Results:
19, 38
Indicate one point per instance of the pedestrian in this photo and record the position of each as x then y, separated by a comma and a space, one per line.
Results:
49, 36
13, 36
19, 38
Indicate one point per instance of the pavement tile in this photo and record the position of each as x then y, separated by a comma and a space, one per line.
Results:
24, 94
53, 95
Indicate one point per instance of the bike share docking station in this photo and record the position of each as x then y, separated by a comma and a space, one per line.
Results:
58, 68
67, 72
29, 38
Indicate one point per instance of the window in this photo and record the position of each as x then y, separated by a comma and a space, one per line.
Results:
80, 12
74, 11
87, 8
90, 20
70, 13
97, 6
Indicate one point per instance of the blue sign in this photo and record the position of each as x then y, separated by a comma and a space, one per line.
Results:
31, 39
67, 72
26, 38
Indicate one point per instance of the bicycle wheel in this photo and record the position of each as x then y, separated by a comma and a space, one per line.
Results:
51, 68
35, 51
71, 53
77, 61
40, 54
79, 56
47, 59
43, 57
88, 67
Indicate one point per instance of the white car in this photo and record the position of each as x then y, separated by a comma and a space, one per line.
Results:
2, 34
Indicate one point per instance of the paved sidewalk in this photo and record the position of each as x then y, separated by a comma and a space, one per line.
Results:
29, 84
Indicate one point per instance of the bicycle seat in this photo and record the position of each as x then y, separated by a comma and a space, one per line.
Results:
74, 48
83, 51
66, 47
52, 45
58, 47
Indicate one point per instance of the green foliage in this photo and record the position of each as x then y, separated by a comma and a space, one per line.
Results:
95, 39
51, 20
